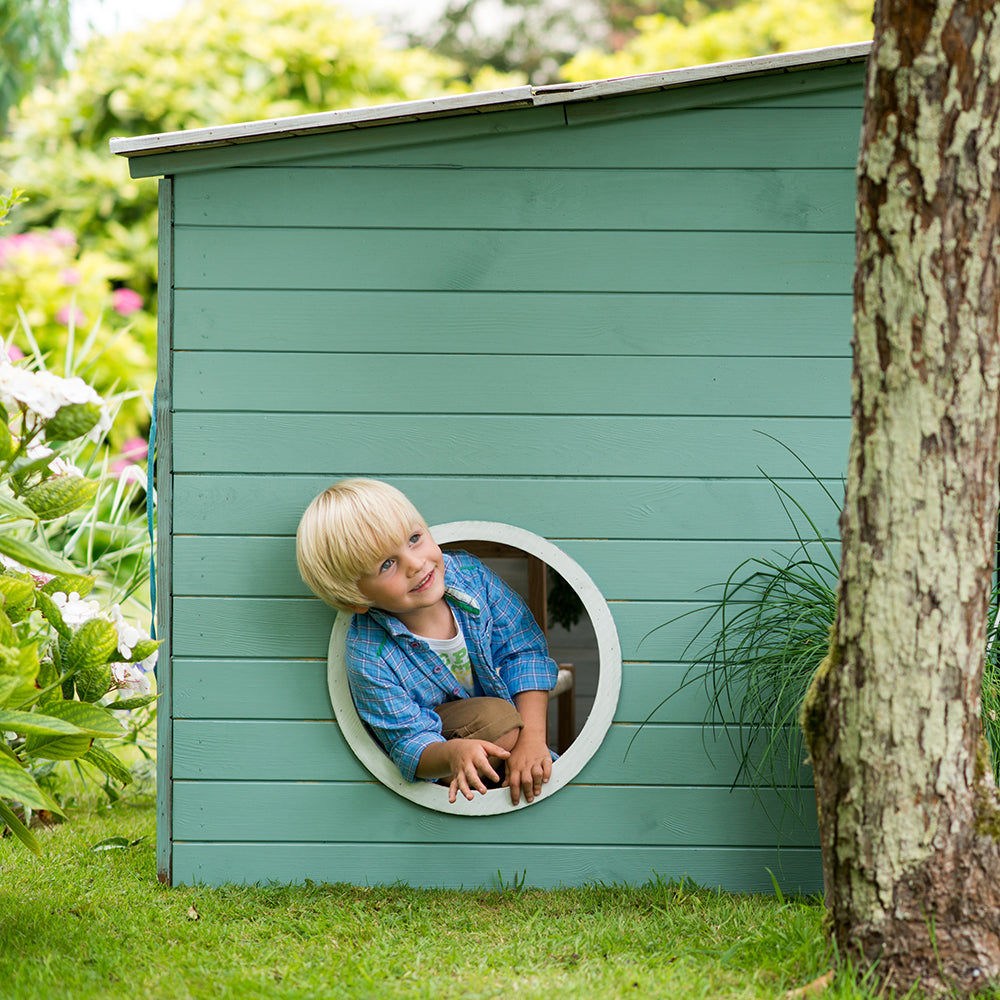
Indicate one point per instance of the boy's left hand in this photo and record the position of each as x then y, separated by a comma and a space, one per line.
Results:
529, 766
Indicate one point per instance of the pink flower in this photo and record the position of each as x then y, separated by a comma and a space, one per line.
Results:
125, 301
19, 243
133, 450
67, 315
70, 276
14, 352
62, 237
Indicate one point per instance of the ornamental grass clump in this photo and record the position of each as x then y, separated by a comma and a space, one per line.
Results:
71, 667
763, 639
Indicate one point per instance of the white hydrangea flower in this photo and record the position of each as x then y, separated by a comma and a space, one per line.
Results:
127, 675
59, 466
37, 575
74, 610
45, 394
129, 634
11, 564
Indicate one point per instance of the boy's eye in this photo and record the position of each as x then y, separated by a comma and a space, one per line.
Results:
386, 565
414, 538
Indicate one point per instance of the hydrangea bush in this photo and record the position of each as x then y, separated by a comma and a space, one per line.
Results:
72, 668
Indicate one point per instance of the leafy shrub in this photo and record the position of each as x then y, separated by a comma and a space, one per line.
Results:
701, 35
63, 657
215, 62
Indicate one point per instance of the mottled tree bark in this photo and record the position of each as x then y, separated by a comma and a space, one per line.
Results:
907, 804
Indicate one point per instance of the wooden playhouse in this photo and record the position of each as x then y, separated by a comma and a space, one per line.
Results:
570, 314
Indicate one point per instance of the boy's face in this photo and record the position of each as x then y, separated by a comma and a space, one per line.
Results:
409, 578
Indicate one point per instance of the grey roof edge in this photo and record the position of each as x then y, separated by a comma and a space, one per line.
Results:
711, 72
323, 121
482, 102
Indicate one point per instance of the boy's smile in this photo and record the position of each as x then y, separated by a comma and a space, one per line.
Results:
409, 579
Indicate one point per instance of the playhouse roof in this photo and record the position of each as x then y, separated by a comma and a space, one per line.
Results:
484, 101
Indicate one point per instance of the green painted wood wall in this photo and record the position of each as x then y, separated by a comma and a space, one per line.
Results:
581, 319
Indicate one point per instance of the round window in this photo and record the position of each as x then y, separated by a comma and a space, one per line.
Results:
569, 764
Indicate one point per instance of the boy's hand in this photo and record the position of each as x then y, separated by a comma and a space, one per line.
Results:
528, 767
469, 762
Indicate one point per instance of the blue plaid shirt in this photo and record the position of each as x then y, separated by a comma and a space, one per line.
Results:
397, 681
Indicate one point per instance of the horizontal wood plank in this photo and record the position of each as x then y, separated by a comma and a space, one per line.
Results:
340, 445
648, 569
738, 137
732, 200
287, 381
297, 690
315, 750
496, 323
251, 811
468, 866
502, 260
297, 628
573, 508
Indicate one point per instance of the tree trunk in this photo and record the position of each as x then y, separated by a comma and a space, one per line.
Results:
908, 811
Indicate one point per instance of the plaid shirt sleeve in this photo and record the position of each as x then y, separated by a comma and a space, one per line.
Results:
393, 696
518, 649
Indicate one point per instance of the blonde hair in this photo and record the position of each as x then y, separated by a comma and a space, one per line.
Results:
344, 531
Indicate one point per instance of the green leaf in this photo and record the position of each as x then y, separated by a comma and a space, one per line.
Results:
17, 784
18, 595
57, 747
50, 611
89, 719
9, 683
8, 637
72, 421
7, 446
18, 828
127, 704
36, 724
92, 683
74, 583
144, 648
18, 671
14, 508
116, 844
60, 495
109, 764
92, 644
36, 558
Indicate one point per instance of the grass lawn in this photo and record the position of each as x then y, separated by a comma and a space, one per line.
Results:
80, 923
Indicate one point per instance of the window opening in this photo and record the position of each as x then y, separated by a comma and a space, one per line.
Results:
551, 583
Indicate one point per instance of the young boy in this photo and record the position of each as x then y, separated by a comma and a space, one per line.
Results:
446, 664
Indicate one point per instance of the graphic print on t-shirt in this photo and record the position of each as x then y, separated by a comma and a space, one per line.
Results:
459, 664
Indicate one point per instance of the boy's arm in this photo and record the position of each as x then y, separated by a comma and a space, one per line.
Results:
530, 763
404, 728
518, 651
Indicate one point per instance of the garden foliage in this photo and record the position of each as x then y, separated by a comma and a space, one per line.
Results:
215, 62
65, 661
701, 35
55, 297
71, 666
764, 636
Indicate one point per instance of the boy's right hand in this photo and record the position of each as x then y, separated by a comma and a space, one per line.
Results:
466, 763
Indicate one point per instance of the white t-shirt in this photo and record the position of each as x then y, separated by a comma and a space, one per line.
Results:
455, 656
